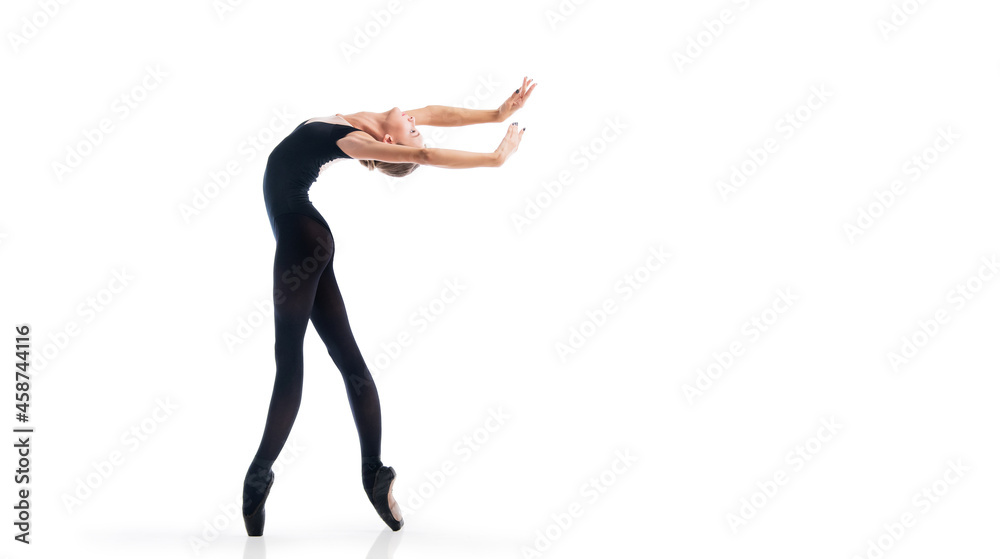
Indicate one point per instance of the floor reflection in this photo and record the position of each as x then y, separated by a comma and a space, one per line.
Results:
384, 546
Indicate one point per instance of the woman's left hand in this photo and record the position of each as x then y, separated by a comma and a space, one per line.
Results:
517, 99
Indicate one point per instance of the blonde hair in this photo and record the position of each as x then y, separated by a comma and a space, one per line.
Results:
391, 169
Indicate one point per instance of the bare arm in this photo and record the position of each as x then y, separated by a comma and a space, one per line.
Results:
458, 159
441, 115
356, 146
455, 159
361, 146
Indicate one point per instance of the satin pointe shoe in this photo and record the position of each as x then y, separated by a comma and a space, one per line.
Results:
256, 486
378, 480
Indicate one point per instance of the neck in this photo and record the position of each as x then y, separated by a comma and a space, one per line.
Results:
369, 122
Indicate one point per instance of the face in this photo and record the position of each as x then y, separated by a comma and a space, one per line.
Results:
403, 129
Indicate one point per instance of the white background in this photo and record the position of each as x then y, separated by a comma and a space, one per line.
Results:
648, 182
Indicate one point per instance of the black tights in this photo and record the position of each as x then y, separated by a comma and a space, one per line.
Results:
305, 288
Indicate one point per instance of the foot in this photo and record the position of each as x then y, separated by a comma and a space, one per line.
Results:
393, 505
378, 481
256, 487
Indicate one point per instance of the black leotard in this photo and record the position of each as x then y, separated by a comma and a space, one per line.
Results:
293, 166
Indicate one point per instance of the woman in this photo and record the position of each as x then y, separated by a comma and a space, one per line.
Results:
304, 284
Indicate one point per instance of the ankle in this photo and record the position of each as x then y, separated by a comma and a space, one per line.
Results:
261, 464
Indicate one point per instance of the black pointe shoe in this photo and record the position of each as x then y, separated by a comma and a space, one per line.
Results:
378, 480
253, 518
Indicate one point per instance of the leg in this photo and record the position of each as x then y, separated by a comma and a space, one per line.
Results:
329, 317
304, 248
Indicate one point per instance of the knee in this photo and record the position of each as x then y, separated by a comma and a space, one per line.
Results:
288, 349
358, 378
290, 321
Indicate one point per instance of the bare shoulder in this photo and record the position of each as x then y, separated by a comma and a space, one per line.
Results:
332, 119
353, 142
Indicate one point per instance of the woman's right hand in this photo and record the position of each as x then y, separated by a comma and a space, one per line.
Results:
510, 142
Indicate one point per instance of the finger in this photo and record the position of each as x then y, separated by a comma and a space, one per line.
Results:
528, 92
